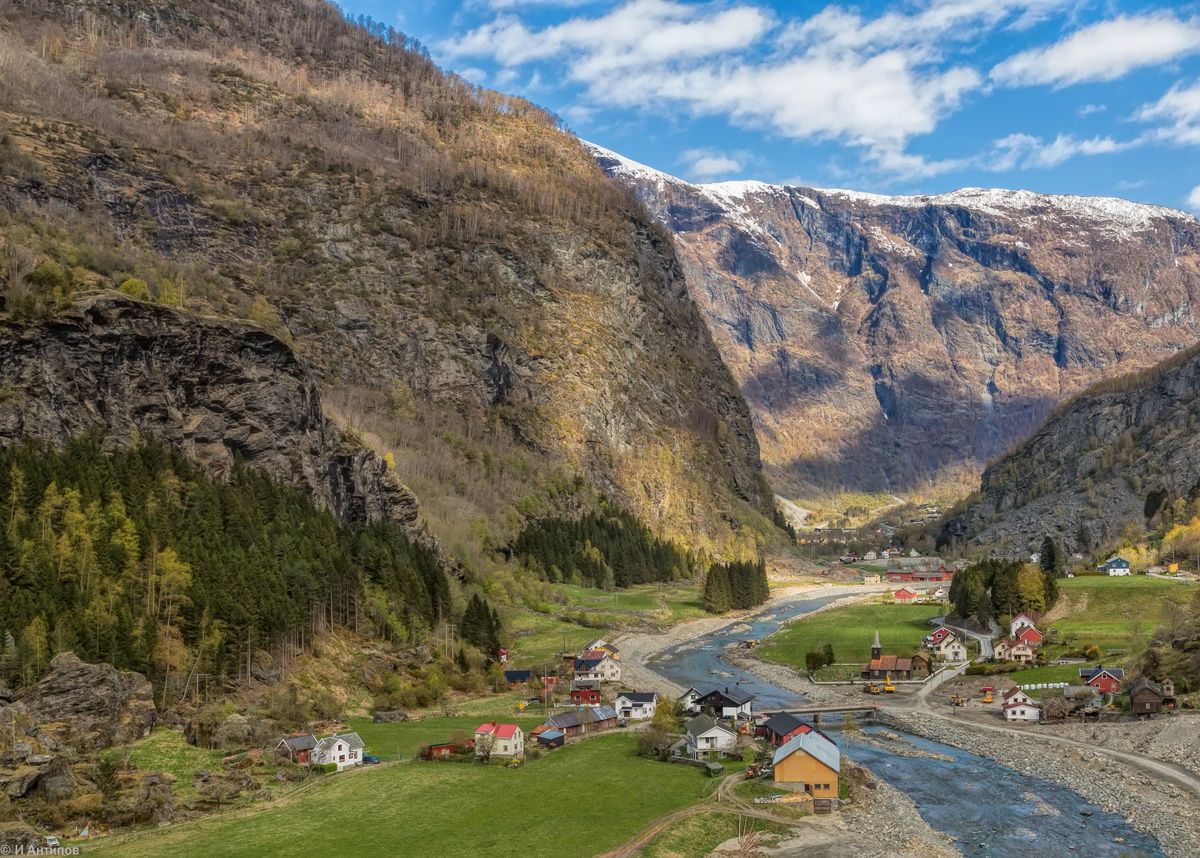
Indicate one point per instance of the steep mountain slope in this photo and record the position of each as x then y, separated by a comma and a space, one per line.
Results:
1109, 458
440, 254
883, 342
218, 391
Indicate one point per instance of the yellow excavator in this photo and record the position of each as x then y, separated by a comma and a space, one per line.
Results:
872, 688
987, 694
888, 686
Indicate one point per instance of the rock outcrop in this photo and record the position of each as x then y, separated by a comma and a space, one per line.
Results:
217, 390
88, 706
883, 342
1110, 457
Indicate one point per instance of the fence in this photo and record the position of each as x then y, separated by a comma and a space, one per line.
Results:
1044, 686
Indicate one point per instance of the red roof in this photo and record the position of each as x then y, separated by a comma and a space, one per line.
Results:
501, 731
904, 593
1028, 633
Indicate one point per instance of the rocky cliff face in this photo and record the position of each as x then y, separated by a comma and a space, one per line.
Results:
402, 229
1109, 458
883, 342
217, 390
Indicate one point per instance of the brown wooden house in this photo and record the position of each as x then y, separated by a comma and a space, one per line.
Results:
1145, 697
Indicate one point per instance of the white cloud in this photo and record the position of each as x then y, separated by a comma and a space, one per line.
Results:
474, 75
704, 165
1104, 51
1089, 109
1193, 199
1178, 111
1024, 151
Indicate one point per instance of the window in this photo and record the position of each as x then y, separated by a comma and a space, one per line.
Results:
826, 786
342, 758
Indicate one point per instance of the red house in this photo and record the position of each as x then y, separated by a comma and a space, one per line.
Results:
1031, 636
440, 751
585, 697
899, 575
1105, 679
904, 596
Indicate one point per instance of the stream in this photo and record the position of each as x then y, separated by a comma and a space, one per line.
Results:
989, 808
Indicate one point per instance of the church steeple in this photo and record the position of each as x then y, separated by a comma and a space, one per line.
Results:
877, 647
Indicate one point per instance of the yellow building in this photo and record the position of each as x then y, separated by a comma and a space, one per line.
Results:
809, 762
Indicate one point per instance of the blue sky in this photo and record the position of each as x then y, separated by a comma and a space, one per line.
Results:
912, 97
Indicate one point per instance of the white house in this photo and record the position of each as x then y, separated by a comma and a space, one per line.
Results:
950, 648
1014, 650
1022, 712
1020, 621
1016, 695
594, 667
870, 555
689, 701
501, 740
342, 749
704, 735
637, 705
1115, 566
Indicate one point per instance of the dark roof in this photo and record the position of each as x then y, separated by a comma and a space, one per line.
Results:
518, 675
1143, 684
587, 663
1093, 672
550, 735
782, 723
566, 720
304, 742
735, 696
639, 696
702, 724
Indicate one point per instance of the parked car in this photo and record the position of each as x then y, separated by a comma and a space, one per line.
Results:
51, 841
371, 760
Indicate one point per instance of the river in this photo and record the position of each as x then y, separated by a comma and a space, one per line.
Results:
989, 808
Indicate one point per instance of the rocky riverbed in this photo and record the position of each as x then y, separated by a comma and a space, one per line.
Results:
1166, 812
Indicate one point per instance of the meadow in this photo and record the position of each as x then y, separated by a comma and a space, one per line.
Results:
549, 807
850, 631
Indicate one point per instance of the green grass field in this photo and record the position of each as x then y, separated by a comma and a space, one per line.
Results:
577, 801
850, 631
403, 739
1114, 613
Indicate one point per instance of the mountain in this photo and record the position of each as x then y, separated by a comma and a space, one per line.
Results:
1110, 458
469, 292
887, 342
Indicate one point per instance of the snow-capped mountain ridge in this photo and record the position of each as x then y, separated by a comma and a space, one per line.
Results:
996, 201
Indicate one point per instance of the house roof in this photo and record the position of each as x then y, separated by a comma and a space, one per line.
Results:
500, 731
1090, 673
597, 654
903, 592
1029, 631
1013, 692
1118, 562
352, 740
550, 735
1022, 617
734, 695
517, 675
587, 663
299, 742
638, 696
1143, 684
701, 724
815, 745
782, 723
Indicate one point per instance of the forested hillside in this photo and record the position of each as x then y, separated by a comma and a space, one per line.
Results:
138, 559
474, 297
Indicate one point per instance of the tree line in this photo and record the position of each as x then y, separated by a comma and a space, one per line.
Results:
137, 558
992, 588
607, 547
736, 585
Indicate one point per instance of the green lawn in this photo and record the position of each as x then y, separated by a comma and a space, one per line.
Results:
850, 631
577, 801
403, 739
1113, 613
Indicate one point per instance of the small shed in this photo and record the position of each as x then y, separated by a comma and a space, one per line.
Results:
551, 738
1145, 697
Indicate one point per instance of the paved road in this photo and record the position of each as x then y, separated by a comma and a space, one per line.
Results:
985, 640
